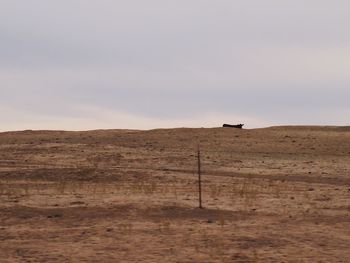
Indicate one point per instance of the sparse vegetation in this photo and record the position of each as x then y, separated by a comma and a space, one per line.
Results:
107, 194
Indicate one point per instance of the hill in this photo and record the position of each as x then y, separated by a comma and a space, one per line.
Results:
273, 194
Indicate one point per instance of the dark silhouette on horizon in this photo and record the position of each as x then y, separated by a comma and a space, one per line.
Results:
238, 126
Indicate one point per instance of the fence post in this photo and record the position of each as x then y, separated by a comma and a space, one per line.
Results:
199, 177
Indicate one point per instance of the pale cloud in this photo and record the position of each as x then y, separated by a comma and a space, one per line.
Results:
173, 63
99, 118
306, 66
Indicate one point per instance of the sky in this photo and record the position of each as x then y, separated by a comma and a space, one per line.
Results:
105, 64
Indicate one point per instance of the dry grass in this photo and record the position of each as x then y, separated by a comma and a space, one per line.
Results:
270, 195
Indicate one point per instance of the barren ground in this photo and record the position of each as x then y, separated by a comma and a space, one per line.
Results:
278, 194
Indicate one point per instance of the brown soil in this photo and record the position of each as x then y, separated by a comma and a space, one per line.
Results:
279, 194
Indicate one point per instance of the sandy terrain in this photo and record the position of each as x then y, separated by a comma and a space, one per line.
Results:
278, 194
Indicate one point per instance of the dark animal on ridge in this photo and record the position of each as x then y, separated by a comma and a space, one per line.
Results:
238, 126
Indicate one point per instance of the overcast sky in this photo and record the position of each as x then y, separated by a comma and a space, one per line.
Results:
84, 64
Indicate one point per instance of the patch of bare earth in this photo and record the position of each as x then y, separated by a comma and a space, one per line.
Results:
280, 194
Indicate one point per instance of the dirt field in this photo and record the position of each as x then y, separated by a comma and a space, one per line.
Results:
278, 194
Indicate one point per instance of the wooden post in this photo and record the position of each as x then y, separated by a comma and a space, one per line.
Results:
199, 177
